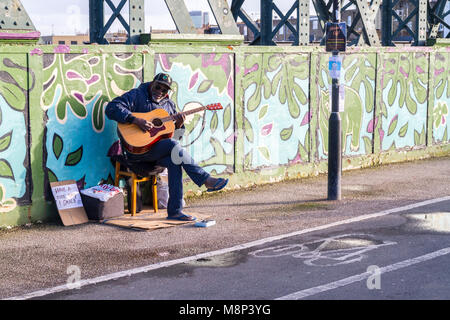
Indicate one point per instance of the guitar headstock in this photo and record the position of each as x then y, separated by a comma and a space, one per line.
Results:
214, 106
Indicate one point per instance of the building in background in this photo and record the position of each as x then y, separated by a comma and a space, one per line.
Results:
67, 40
118, 37
205, 19
196, 18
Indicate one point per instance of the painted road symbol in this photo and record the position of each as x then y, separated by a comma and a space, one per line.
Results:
332, 251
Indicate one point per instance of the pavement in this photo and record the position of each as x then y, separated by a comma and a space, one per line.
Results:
43, 255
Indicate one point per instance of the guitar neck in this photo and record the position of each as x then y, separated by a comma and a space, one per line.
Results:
186, 113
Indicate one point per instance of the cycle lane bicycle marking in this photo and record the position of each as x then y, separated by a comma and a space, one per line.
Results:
130, 272
324, 250
363, 276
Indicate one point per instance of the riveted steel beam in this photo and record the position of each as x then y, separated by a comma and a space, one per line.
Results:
421, 23
436, 17
368, 13
223, 16
13, 16
137, 20
98, 28
265, 34
180, 16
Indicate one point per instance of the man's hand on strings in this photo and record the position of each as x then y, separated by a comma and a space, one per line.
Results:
143, 124
179, 120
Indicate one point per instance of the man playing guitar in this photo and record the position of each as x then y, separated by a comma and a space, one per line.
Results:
147, 97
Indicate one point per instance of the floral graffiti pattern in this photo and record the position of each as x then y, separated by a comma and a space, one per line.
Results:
199, 80
441, 73
403, 108
14, 88
358, 82
77, 88
276, 114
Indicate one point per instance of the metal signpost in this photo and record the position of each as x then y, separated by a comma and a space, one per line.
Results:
335, 42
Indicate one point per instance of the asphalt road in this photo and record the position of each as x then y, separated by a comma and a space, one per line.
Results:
394, 255
38, 258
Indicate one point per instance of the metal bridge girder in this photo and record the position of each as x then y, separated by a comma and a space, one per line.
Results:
98, 29
265, 34
368, 15
13, 16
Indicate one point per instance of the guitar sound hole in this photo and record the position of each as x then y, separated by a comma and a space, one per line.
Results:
157, 122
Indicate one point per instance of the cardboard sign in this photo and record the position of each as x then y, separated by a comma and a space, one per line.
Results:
68, 201
336, 36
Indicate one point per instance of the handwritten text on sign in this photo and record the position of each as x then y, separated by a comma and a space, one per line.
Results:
67, 196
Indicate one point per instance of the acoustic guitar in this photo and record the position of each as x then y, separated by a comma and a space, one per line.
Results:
137, 141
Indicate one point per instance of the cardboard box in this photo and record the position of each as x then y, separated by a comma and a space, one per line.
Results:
97, 209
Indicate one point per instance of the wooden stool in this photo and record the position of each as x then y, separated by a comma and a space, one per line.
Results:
135, 179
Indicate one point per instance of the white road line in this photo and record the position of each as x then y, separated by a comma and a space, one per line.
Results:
362, 276
164, 264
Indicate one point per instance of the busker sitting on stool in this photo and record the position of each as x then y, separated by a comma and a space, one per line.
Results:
147, 97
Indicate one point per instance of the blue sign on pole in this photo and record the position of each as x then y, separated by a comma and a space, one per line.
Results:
334, 66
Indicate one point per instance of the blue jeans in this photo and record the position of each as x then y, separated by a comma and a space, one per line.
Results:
169, 153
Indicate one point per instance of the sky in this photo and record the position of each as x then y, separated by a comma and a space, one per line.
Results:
63, 17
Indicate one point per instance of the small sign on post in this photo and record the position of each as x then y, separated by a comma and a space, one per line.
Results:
336, 36
334, 66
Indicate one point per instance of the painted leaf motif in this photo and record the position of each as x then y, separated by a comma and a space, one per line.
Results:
204, 86
263, 111
13, 80
403, 130
267, 129
393, 125
58, 145
72, 80
255, 67
367, 145
361, 70
98, 114
190, 126
286, 133
51, 176
74, 157
265, 152
214, 122
6, 170
290, 67
5, 141
419, 137
403, 71
216, 67
442, 74
226, 117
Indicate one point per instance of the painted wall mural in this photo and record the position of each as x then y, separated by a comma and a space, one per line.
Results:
394, 100
199, 80
441, 73
404, 81
358, 87
14, 157
77, 88
276, 112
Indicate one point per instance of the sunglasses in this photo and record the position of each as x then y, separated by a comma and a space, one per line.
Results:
161, 88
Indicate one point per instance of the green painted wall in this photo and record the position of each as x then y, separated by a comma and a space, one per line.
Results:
274, 124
